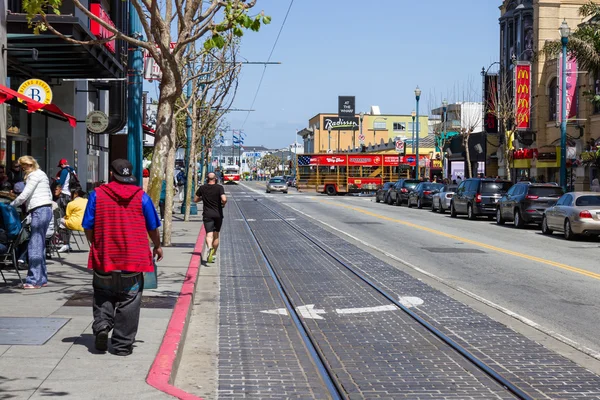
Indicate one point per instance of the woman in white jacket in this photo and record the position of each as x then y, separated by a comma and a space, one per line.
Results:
38, 199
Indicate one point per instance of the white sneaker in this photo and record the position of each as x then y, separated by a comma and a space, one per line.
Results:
65, 248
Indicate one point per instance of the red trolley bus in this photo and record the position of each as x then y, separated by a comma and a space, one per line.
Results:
348, 173
231, 173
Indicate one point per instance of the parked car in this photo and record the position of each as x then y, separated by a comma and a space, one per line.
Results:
423, 193
382, 192
478, 196
525, 203
441, 200
575, 213
398, 193
277, 184
290, 180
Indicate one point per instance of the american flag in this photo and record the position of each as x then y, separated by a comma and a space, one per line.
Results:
304, 160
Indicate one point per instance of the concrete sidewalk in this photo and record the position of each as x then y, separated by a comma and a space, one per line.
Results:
67, 365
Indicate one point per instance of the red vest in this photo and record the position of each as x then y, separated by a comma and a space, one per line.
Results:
120, 236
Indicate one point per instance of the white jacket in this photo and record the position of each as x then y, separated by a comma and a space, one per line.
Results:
36, 193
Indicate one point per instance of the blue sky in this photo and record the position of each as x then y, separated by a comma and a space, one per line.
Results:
378, 51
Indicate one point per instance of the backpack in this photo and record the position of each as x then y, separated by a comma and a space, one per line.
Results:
180, 178
12, 223
73, 180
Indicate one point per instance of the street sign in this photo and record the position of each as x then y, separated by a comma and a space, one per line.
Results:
346, 106
399, 145
361, 137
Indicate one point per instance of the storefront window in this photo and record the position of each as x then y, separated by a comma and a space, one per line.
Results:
552, 99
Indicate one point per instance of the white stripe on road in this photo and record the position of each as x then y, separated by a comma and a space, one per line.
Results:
362, 310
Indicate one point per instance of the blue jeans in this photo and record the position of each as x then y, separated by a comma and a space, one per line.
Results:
36, 249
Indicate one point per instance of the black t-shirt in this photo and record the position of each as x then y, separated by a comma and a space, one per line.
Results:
210, 195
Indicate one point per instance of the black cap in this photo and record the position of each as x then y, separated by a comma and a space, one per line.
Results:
123, 171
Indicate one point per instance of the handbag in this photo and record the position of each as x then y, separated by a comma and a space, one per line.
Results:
150, 278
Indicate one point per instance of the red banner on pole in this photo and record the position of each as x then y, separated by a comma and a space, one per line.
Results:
523, 96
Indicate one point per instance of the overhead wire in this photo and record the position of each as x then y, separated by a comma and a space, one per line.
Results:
268, 60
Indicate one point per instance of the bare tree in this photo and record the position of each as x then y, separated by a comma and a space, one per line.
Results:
193, 20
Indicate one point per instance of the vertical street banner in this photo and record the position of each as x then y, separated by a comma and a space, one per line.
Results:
491, 102
523, 96
571, 75
346, 106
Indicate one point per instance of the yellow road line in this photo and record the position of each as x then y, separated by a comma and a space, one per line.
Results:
473, 242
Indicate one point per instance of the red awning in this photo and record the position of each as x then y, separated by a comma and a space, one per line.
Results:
7, 94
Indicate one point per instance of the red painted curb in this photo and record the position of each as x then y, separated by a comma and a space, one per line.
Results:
160, 372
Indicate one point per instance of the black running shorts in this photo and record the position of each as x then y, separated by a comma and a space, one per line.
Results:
213, 224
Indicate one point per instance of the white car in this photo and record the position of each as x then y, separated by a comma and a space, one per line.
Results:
441, 200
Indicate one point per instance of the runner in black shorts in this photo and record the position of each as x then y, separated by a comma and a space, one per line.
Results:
212, 195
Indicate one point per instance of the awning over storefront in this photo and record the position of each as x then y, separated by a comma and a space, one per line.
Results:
13, 97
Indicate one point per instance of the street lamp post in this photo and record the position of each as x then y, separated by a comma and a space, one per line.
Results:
445, 108
417, 97
360, 131
564, 38
413, 114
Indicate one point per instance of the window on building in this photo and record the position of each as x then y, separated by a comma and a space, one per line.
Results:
552, 99
399, 126
379, 125
411, 125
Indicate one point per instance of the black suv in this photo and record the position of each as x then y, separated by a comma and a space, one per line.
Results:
478, 196
398, 194
525, 203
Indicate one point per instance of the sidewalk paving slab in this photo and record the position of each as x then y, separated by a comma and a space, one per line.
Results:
67, 365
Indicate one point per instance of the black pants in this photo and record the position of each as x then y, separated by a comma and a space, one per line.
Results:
161, 208
117, 301
63, 200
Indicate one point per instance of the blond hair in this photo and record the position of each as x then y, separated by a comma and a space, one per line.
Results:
31, 161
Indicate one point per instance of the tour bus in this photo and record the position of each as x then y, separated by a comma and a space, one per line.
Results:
231, 173
348, 173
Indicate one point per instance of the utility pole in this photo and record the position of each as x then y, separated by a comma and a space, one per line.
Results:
135, 70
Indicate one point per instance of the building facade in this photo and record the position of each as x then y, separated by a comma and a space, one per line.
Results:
81, 78
525, 27
327, 134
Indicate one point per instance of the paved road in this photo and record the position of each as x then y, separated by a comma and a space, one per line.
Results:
547, 280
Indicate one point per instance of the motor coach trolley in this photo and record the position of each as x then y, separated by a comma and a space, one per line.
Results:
348, 173
231, 173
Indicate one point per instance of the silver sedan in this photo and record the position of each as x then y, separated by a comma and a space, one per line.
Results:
575, 213
277, 184
441, 199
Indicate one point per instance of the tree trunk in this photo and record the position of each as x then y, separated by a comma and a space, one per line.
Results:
191, 167
507, 135
468, 155
165, 136
169, 178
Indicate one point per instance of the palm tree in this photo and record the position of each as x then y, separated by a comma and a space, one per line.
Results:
584, 42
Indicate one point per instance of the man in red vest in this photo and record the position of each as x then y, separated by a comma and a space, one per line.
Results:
118, 219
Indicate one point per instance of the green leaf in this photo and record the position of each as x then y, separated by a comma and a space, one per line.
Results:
246, 21
209, 44
218, 41
237, 31
255, 25
266, 20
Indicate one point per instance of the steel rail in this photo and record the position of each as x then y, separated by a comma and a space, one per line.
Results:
333, 386
436, 332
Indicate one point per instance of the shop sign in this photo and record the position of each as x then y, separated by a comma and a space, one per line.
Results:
151, 68
437, 164
100, 31
346, 106
523, 95
36, 89
410, 160
589, 156
547, 156
96, 122
491, 101
391, 161
340, 123
571, 75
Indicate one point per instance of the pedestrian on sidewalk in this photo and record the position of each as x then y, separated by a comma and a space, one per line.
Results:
73, 218
118, 219
212, 196
66, 180
38, 198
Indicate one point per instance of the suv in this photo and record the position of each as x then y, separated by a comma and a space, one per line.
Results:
525, 203
382, 192
398, 194
478, 196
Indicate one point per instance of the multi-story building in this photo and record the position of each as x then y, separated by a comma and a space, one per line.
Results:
461, 118
525, 27
80, 78
330, 133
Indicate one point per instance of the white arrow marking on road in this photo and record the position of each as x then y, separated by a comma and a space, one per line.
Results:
409, 302
290, 219
309, 311
277, 311
251, 220
361, 310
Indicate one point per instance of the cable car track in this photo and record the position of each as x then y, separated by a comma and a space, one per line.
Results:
329, 378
